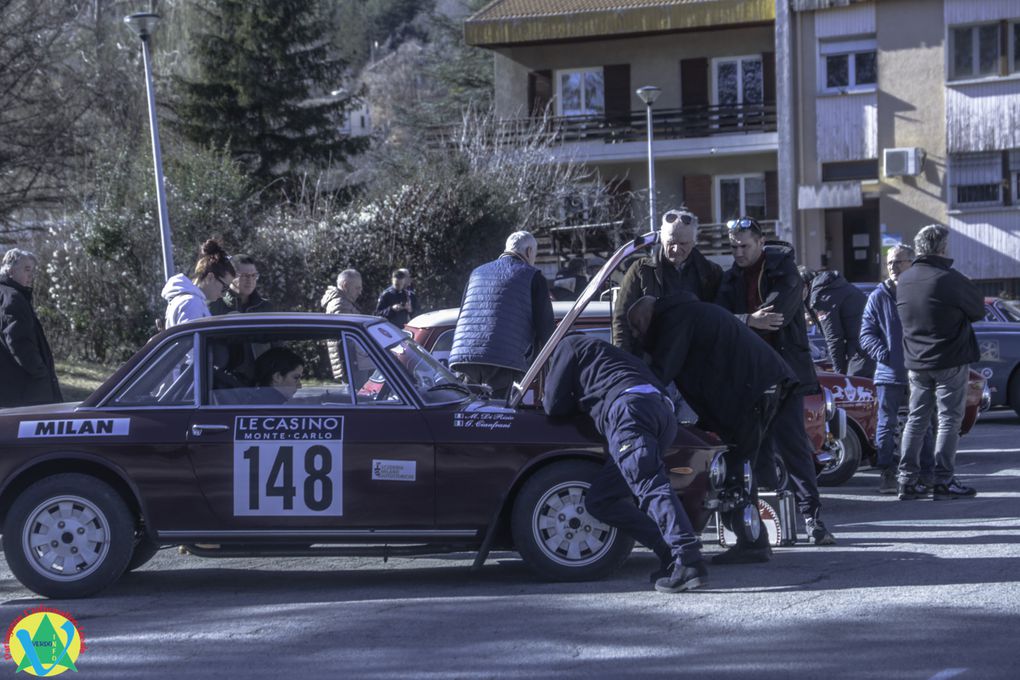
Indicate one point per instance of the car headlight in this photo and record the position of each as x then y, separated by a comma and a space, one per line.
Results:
830, 404
717, 471
986, 398
748, 478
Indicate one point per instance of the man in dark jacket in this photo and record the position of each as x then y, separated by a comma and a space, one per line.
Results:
675, 265
882, 340
937, 305
505, 316
631, 410
242, 296
765, 291
838, 305
711, 357
26, 362
398, 304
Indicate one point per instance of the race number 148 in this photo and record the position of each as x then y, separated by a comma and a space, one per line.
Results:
284, 478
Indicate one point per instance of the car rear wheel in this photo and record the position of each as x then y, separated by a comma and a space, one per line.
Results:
847, 456
68, 535
553, 531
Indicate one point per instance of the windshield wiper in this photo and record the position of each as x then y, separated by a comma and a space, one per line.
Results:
451, 386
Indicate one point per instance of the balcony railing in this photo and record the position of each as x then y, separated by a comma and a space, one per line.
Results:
683, 123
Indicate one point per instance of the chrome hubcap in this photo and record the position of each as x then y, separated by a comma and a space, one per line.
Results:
565, 531
66, 538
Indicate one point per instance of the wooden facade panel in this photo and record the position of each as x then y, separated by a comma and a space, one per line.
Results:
842, 21
972, 11
983, 116
847, 127
986, 244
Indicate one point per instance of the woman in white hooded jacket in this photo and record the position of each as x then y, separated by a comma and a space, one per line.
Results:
189, 299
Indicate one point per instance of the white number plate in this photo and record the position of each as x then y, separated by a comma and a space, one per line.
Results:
288, 465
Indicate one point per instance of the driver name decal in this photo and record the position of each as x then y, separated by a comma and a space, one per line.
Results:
288, 466
483, 421
89, 427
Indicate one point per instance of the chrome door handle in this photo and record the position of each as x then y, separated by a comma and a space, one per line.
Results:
199, 430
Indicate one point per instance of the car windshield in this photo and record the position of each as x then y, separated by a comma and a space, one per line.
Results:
433, 381
1010, 309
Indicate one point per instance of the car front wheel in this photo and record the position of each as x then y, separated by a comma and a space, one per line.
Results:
554, 532
847, 456
69, 535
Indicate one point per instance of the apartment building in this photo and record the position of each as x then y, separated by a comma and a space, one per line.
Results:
850, 123
714, 123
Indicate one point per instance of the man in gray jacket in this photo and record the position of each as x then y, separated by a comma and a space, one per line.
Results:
937, 305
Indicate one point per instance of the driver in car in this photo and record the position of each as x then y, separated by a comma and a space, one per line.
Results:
631, 410
278, 373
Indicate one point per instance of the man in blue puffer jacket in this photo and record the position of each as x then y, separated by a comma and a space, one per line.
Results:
505, 316
882, 340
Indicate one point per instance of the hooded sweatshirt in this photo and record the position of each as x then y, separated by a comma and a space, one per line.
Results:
184, 301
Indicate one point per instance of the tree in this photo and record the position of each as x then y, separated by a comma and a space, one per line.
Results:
263, 75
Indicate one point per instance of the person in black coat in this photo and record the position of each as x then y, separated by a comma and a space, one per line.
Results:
838, 306
716, 361
630, 409
26, 362
764, 290
675, 265
937, 306
398, 304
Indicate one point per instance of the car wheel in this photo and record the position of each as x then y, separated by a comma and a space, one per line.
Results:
847, 456
144, 551
1014, 393
69, 535
553, 531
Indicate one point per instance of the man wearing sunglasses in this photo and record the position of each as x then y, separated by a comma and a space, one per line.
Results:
765, 290
675, 265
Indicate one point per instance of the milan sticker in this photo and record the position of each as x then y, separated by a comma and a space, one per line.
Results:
90, 427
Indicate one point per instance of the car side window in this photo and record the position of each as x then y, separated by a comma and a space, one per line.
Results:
167, 380
372, 388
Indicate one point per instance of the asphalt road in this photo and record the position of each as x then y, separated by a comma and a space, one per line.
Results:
913, 590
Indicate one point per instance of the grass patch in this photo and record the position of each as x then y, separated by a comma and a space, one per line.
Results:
79, 379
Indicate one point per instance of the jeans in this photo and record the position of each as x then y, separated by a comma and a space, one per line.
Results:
943, 392
639, 428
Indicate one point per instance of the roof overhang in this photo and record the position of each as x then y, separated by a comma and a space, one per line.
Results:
518, 22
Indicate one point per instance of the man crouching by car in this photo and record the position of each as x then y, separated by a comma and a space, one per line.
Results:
631, 410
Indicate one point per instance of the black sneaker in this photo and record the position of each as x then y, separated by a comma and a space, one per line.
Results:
923, 489
740, 554
907, 491
888, 484
683, 578
945, 492
819, 533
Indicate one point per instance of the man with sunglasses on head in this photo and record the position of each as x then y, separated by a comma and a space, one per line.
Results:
765, 290
675, 265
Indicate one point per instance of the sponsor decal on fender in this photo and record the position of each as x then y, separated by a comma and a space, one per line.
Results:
88, 427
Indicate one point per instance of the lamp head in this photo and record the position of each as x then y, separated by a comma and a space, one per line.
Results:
142, 23
648, 94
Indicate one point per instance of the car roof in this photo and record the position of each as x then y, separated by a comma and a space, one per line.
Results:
448, 317
269, 318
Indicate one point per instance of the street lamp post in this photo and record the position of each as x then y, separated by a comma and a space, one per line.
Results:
648, 94
143, 24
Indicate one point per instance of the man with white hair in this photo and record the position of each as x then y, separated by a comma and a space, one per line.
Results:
937, 305
675, 265
342, 299
26, 362
505, 316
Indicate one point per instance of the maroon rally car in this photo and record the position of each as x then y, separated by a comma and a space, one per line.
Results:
393, 456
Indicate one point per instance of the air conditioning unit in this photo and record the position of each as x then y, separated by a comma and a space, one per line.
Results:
904, 161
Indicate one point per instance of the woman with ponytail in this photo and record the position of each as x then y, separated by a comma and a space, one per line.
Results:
189, 299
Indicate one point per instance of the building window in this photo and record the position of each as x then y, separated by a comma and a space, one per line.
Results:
976, 179
1014, 42
739, 195
850, 170
974, 51
848, 65
580, 92
737, 81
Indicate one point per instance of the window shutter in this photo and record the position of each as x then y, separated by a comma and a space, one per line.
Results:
698, 196
540, 92
617, 83
694, 82
768, 76
771, 195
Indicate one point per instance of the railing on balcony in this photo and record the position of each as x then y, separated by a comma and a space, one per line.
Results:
613, 128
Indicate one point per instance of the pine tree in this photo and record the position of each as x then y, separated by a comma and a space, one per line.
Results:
263, 73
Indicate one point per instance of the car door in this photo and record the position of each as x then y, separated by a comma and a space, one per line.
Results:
332, 458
